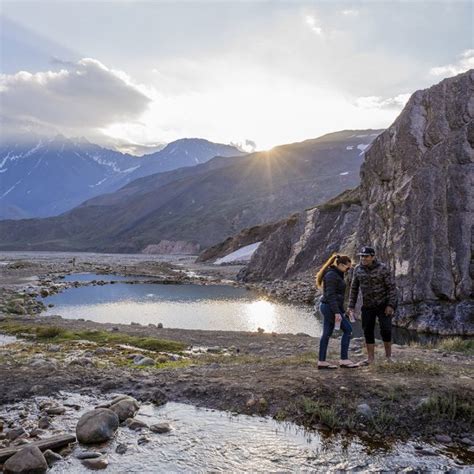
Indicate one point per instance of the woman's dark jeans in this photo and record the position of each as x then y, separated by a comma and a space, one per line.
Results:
329, 320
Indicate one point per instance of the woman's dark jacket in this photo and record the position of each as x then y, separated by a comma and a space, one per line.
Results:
334, 288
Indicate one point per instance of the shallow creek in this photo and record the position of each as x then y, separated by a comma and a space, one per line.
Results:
210, 440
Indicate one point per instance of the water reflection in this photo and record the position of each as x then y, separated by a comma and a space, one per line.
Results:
263, 314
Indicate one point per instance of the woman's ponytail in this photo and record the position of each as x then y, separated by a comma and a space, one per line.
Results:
334, 259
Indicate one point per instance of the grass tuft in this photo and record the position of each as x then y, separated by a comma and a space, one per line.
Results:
409, 367
448, 407
456, 344
57, 334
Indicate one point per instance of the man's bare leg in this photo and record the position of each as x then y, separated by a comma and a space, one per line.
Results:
388, 350
370, 353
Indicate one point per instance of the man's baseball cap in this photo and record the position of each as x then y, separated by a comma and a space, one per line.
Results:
367, 251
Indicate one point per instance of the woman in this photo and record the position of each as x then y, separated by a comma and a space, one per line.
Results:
331, 278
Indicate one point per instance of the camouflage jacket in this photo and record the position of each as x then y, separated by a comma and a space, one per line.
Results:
376, 284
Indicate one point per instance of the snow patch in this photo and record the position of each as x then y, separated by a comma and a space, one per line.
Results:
350, 147
244, 254
344, 174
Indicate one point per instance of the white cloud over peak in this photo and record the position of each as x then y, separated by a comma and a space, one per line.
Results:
465, 62
80, 96
376, 102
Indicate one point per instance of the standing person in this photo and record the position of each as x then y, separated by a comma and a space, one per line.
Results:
379, 300
331, 278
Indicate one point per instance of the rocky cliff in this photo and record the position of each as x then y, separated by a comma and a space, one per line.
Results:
415, 205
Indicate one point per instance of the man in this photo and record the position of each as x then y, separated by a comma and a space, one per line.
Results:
379, 300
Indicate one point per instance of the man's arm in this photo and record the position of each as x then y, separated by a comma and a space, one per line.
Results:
354, 293
392, 295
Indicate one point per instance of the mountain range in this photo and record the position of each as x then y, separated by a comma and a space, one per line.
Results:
202, 204
42, 177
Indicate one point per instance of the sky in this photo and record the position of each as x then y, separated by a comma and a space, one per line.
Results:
254, 73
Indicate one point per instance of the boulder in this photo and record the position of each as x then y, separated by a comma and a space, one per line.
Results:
97, 426
28, 460
125, 408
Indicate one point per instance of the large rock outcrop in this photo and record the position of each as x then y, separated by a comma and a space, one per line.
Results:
416, 207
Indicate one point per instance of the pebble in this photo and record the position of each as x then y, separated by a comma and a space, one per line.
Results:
87, 455
364, 410
44, 422
52, 457
135, 425
442, 438
467, 441
96, 463
121, 449
160, 428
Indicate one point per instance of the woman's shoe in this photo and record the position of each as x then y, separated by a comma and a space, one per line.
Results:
348, 364
327, 367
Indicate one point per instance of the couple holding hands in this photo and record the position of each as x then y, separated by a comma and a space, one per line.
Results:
379, 301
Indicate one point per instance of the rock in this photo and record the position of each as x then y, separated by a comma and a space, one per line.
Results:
442, 438
96, 463
135, 425
158, 397
121, 448
96, 426
44, 293
88, 455
422, 402
143, 440
53, 348
52, 457
35, 432
160, 428
57, 410
44, 364
136, 357
28, 460
125, 408
364, 410
467, 441
44, 423
214, 349
161, 359
145, 361
159, 325
83, 362
15, 433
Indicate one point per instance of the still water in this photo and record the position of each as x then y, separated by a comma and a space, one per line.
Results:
203, 440
211, 307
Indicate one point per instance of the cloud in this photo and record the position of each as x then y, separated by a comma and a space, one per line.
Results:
376, 102
311, 21
464, 63
350, 12
84, 95
249, 146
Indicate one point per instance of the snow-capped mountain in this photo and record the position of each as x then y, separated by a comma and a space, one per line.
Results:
45, 177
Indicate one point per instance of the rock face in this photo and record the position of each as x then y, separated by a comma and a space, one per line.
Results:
97, 426
29, 459
415, 205
171, 247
